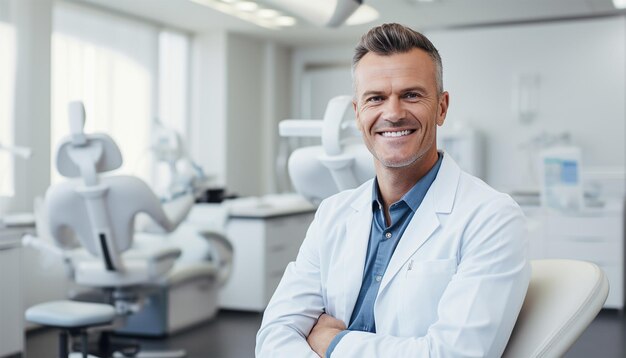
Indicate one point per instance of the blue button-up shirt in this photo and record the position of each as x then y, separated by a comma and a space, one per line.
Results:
382, 243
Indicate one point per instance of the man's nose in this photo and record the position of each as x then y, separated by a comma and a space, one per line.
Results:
393, 110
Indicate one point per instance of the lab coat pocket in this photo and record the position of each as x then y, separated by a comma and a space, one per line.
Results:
422, 288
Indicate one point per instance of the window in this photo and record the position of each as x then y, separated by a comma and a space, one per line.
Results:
7, 85
126, 72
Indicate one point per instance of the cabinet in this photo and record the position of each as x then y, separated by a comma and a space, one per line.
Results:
11, 320
264, 242
595, 235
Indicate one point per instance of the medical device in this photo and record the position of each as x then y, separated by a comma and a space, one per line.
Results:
329, 13
185, 176
341, 162
561, 183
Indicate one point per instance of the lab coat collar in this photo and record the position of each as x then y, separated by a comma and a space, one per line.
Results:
438, 200
447, 177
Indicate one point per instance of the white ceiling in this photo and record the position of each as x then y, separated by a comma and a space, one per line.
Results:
186, 15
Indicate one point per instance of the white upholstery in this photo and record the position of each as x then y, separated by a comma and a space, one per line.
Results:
563, 298
312, 178
126, 197
70, 314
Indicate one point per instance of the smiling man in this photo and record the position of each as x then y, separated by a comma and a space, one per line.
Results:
422, 261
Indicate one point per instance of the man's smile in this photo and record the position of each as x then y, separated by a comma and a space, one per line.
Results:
396, 133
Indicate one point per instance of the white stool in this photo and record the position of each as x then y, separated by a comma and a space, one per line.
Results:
72, 318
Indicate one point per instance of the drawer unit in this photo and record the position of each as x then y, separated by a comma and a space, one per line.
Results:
596, 236
263, 246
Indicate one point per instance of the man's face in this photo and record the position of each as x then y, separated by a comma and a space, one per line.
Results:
398, 107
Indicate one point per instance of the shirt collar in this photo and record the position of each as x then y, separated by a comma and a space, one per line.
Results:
413, 198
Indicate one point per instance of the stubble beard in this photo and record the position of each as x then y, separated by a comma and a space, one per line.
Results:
406, 163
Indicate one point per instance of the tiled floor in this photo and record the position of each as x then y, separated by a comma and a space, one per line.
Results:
231, 335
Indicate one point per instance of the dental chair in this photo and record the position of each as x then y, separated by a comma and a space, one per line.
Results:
98, 211
341, 162
189, 293
564, 296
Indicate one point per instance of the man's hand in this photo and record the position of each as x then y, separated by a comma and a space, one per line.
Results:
326, 328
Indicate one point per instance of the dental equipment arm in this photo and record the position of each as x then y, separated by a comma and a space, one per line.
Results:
23, 152
167, 147
340, 163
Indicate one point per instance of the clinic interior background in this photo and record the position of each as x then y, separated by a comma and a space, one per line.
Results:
226, 90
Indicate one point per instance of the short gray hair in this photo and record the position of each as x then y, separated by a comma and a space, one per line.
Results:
389, 39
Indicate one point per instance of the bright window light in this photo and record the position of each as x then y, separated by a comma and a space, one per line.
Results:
126, 72
7, 78
619, 4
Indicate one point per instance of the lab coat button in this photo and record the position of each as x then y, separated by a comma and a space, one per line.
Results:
388, 235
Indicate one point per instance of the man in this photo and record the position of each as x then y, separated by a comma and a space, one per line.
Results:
422, 261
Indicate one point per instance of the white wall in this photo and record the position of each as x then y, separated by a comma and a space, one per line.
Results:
33, 19
277, 106
240, 89
244, 96
334, 58
208, 104
581, 66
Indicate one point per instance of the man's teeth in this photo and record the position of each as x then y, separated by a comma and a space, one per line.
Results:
396, 134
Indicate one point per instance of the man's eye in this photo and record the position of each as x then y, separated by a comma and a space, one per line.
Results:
374, 99
411, 95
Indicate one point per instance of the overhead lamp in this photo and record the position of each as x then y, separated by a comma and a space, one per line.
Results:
329, 13
285, 21
619, 4
246, 5
268, 13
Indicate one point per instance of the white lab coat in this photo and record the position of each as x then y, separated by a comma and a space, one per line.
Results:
453, 288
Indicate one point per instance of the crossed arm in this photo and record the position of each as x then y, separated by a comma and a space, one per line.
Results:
326, 328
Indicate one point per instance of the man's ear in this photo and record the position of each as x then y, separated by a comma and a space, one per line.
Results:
356, 116
444, 102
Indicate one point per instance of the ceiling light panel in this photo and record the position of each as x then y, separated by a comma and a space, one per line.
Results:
619, 4
251, 11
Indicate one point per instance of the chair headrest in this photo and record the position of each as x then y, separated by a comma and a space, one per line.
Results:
79, 154
106, 155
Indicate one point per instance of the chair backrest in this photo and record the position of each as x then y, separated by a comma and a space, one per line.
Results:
563, 298
312, 178
341, 162
97, 210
